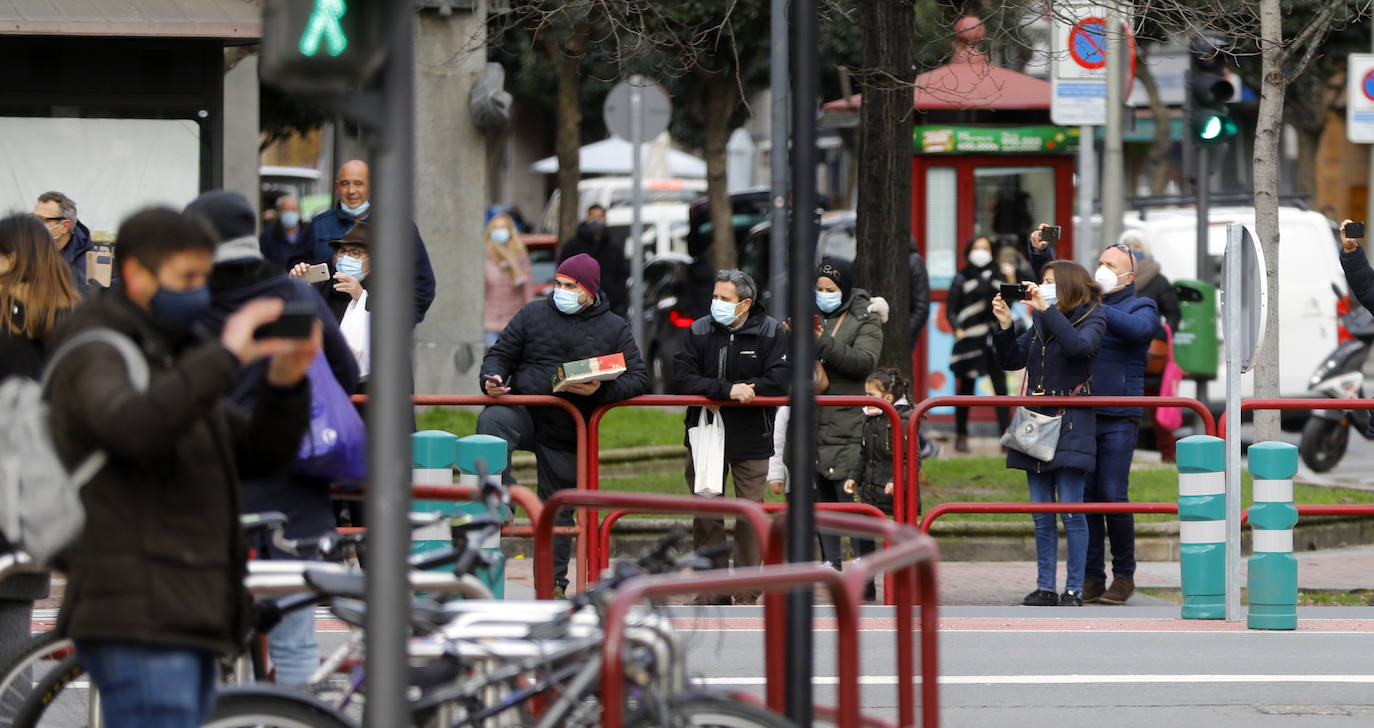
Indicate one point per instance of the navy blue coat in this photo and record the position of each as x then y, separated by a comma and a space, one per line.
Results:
1131, 324
1058, 353
540, 338
333, 223
277, 247
75, 255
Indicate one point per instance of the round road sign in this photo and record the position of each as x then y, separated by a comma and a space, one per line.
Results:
1367, 85
1088, 44
637, 93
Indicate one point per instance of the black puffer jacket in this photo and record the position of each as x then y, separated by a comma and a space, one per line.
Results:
874, 469
540, 338
713, 358
160, 560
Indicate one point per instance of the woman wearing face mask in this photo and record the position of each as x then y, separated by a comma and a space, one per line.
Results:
849, 339
346, 293
508, 277
969, 313
1058, 352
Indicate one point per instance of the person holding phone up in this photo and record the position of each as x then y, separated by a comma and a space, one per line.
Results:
1058, 352
1358, 275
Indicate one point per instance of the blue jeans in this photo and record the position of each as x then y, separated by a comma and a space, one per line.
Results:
150, 686
1063, 486
1115, 446
293, 648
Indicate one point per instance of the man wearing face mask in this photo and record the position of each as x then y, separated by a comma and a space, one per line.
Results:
354, 188
574, 323
285, 241
155, 582
593, 239
1119, 370
71, 236
737, 353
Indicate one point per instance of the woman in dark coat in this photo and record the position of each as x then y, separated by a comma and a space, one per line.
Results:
1067, 326
969, 312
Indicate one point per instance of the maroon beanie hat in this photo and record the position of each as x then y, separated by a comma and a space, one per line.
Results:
583, 269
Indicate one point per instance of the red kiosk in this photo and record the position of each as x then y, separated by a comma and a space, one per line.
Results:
986, 161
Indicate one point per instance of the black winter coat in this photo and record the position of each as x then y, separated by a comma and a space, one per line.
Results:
1360, 278
874, 470
920, 295
161, 559
540, 338
305, 501
712, 358
1058, 353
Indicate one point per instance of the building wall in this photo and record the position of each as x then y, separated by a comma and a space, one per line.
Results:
1342, 172
241, 124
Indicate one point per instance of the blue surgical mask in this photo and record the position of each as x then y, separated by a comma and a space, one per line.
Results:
358, 211
566, 301
828, 302
290, 219
1049, 293
500, 235
724, 312
181, 308
349, 265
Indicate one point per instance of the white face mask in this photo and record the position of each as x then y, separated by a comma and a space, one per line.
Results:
980, 257
1107, 279
1049, 293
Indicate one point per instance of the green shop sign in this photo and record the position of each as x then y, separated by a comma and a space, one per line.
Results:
994, 140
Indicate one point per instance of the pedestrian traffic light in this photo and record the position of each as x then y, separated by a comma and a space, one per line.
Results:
1208, 91
322, 45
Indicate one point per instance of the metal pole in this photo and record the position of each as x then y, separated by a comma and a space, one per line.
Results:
1113, 160
637, 199
1235, 339
389, 413
1369, 197
801, 434
1204, 187
777, 233
1085, 236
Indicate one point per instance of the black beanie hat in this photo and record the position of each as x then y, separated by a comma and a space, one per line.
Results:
839, 271
228, 212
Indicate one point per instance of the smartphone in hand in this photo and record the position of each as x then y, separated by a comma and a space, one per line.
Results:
1353, 230
316, 273
1012, 292
297, 321
1050, 234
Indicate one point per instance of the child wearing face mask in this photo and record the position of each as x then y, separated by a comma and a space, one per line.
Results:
871, 479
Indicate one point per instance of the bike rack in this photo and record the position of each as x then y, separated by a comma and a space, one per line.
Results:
991, 507
913, 478
637, 502
1250, 405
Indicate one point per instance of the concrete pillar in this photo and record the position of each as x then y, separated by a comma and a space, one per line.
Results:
1273, 577
1202, 526
450, 198
241, 124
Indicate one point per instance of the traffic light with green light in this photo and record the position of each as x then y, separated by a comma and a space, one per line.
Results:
322, 45
1209, 121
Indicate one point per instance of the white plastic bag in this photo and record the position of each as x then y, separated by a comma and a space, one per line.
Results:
356, 327
707, 441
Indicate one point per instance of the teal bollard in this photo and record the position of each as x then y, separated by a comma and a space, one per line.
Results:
468, 450
1273, 577
1202, 526
432, 454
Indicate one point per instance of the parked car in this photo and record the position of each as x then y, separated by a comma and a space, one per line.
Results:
664, 227
836, 238
543, 250
611, 192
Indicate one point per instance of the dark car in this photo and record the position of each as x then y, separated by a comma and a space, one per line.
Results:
837, 238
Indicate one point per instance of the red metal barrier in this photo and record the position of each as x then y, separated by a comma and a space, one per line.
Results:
913, 493
518, 400
639, 502
522, 496
947, 508
1313, 403
912, 559
666, 400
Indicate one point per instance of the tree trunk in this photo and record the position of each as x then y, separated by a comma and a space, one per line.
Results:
722, 98
568, 128
1268, 127
1158, 159
884, 162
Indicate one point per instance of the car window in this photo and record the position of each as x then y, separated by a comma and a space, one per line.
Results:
543, 265
838, 242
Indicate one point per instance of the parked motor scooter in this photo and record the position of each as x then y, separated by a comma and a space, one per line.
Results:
1340, 376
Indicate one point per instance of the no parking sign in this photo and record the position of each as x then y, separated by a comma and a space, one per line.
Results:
1359, 106
1078, 78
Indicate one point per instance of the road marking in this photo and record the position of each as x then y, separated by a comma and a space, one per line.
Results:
1064, 679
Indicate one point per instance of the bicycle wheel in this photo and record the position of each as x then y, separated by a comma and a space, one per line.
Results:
707, 710
17, 679
266, 707
61, 699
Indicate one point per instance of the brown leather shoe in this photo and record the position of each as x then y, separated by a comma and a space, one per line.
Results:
1092, 591
1120, 590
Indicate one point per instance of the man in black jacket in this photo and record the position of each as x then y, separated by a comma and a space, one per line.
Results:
920, 295
155, 582
593, 239
574, 323
736, 353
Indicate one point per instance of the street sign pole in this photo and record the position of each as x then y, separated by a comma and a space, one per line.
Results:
1084, 241
637, 199
777, 233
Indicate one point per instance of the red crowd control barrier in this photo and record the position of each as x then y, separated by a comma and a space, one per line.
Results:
519, 494
1250, 405
666, 400
636, 502
946, 508
913, 478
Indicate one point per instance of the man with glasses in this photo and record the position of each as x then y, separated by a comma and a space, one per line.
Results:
73, 239
1119, 370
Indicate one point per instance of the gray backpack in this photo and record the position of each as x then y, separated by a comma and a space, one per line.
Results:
40, 502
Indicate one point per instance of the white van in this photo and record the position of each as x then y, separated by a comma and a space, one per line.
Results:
1309, 262
664, 228
610, 192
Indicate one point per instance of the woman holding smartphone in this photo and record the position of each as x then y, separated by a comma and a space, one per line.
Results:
1067, 326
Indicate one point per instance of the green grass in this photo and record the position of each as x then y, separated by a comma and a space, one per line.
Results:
621, 428
986, 479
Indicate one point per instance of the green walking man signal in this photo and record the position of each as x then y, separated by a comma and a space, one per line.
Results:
324, 26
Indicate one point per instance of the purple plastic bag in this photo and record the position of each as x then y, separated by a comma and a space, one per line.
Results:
335, 448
